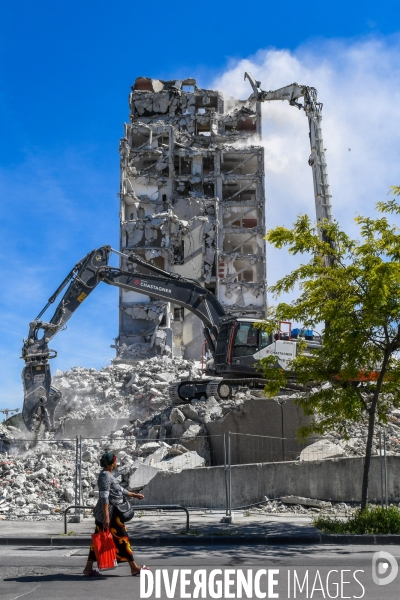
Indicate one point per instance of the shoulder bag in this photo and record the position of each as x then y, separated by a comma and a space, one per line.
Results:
125, 511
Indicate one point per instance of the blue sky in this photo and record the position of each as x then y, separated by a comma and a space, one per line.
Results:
65, 74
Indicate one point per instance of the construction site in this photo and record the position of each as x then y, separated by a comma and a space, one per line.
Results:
182, 403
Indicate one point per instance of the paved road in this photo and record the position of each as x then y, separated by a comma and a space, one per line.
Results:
45, 573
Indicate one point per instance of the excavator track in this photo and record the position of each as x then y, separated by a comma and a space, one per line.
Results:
212, 389
183, 392
173, 391
227, 388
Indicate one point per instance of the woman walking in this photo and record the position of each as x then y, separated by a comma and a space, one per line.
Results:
107, 516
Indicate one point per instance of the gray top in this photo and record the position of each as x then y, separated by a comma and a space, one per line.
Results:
110, 492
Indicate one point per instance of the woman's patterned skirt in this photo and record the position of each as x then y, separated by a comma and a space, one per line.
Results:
120, 537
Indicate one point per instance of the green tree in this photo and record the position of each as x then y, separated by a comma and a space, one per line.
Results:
353, 287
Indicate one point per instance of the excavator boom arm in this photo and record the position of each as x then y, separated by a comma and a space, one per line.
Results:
181, 291
83, 279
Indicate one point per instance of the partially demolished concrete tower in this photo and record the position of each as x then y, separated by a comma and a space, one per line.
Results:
192, 202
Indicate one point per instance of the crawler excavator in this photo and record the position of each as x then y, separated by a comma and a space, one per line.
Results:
236, 344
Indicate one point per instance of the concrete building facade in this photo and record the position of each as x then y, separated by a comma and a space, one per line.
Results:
192, 202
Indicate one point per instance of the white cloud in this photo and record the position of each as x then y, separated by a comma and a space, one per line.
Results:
359, 85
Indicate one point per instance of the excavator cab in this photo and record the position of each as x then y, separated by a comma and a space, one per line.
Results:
249, 339
241, 344
239, 341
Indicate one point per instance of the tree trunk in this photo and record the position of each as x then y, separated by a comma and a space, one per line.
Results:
371, 425
368, 451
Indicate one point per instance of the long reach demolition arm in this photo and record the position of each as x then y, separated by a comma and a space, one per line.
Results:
317, 161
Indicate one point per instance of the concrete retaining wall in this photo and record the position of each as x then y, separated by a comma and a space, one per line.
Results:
335, 479
260, 417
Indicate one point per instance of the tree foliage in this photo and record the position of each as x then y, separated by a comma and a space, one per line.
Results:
351, 289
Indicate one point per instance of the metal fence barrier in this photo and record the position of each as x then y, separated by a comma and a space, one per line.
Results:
66, 511
145, 507
36, 481
250, 449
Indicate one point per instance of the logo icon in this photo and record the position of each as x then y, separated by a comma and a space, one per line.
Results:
136, 281
384, 568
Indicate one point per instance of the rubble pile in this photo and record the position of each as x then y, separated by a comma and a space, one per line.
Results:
37, 476
139, 393
306, 506
335, 445
355, 445
188, 421
36, 479
8, 435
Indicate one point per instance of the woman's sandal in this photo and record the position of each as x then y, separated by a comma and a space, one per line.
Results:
143, 568
94, 574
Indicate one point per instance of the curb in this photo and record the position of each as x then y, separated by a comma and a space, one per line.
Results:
359, 539
213, 540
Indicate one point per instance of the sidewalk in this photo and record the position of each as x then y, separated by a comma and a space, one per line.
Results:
169, 529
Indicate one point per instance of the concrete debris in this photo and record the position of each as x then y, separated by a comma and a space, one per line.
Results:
149, 448
177, 450
41, 474
327, 508
188, 460
69, 495
6, 437
37, 479
141, 476
305, 501
143, 473
147, 432
132, 391
157, 456
176, 416
321, 450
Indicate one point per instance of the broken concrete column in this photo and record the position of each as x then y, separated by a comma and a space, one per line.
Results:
305, 501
